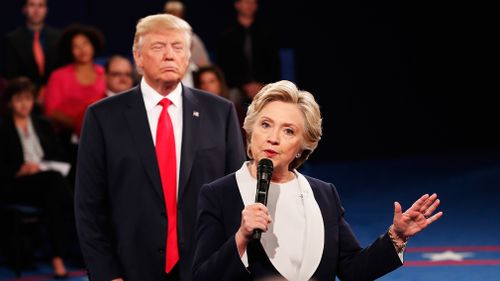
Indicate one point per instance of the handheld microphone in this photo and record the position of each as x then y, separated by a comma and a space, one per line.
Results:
264, 174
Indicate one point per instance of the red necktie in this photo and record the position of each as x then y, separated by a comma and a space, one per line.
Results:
38, 53
165, 153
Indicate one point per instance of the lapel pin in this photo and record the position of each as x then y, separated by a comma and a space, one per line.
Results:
196, 114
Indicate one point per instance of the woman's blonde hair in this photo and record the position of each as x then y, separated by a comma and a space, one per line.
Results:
286, 91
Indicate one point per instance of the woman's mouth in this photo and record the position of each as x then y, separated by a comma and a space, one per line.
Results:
270, 153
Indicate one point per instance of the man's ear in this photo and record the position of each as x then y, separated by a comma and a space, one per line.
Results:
138, 58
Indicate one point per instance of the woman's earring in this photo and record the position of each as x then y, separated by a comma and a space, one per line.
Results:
298, 155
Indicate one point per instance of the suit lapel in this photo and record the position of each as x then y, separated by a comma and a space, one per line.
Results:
315, 233
190, 137
137, 120
25, 46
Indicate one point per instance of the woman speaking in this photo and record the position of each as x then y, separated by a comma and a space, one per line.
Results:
304, 233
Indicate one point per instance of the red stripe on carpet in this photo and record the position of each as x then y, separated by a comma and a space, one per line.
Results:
444, 263
454, 248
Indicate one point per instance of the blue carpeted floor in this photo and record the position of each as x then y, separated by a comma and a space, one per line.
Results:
468, 234
468, 185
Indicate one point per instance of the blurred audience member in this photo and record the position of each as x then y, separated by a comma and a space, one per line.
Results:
211, 79
248, 53
80, 82
199, 54
29, 156
119, 75
31, 49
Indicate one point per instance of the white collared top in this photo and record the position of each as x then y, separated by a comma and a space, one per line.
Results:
295, 240
151, 99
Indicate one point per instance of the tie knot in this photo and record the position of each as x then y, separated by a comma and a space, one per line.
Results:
37, 34
165, 103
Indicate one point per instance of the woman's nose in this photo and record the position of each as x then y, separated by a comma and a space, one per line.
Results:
273, 137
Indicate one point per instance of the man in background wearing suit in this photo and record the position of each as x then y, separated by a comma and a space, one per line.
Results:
31, 50
143, 158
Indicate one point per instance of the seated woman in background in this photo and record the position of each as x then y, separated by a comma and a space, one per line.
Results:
211, 79
80, 82
27, 145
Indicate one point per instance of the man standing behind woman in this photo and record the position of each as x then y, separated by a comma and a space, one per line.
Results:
143, 157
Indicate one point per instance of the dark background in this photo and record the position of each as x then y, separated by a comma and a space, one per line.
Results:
359, 59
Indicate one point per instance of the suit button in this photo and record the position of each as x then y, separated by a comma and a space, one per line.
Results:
161, 250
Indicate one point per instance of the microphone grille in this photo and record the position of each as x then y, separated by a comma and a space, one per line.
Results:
265, 165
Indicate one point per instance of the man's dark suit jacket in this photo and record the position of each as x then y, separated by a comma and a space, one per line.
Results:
11, 150
120, 211
18, 59
217, 258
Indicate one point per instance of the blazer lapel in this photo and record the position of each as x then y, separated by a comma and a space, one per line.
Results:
137, 119
315, 231
191, 114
